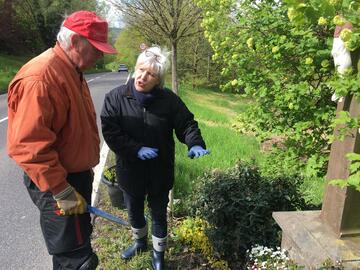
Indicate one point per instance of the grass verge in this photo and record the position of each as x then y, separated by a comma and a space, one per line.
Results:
9, 65
216, 112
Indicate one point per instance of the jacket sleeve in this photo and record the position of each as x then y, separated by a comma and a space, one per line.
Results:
186, 128
114, 135
30, 138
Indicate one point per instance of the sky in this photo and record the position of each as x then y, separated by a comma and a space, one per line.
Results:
113, 17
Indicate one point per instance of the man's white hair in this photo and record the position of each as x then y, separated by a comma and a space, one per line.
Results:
64, 37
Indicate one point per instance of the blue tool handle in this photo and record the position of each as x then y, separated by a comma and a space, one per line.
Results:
101, 213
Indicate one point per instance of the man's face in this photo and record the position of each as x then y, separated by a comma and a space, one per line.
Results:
146, 78
85, 55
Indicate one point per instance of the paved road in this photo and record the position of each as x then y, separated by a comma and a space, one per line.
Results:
21, 243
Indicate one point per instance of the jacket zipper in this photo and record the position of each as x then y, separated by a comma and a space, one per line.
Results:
144, 131
144, 121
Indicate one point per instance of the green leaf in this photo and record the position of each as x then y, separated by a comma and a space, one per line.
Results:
354, 167
338, 182
354, 180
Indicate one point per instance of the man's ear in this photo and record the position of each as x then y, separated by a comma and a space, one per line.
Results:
75, 40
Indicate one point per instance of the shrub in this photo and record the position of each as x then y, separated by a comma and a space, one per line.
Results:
238, 204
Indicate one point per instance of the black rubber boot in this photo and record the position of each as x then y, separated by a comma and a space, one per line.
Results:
158, 261
140, 245
91, 263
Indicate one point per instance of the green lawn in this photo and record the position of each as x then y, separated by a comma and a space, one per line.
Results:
9, 65
216, 112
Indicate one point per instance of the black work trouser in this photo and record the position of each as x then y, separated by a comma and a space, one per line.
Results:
158, 207
67, 238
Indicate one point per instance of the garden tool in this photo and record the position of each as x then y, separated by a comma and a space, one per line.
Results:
103, 214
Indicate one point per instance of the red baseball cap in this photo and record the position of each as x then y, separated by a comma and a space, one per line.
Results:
92, 27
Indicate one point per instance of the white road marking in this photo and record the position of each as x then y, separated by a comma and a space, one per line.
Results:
98, 171
4, 119
98, 77
128, 78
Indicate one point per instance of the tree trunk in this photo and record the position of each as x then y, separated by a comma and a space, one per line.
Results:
208, 68
175, 90
173, 66
195, 64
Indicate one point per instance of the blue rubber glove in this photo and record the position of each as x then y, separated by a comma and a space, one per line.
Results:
197, 151
147, 153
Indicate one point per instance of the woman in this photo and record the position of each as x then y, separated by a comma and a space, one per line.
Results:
138, 120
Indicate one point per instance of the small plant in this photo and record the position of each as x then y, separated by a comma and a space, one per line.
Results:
331, 265
260, 257
115, 193
110, 174
191, 231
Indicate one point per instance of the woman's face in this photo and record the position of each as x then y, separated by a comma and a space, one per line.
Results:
146, 78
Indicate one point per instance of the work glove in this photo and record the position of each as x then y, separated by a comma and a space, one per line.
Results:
197, 151
70, 202
147, 153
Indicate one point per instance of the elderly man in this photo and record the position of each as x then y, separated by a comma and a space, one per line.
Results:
53, 137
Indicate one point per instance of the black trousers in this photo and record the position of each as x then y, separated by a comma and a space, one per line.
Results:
158, 207
67, 238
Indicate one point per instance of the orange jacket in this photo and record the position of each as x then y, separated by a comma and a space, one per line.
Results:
52, 127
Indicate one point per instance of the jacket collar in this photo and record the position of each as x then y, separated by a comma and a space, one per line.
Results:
65, 58
128, 92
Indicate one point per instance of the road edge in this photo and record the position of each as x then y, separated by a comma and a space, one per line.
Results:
97, 173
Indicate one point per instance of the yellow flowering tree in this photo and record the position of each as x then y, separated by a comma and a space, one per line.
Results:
279, 53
